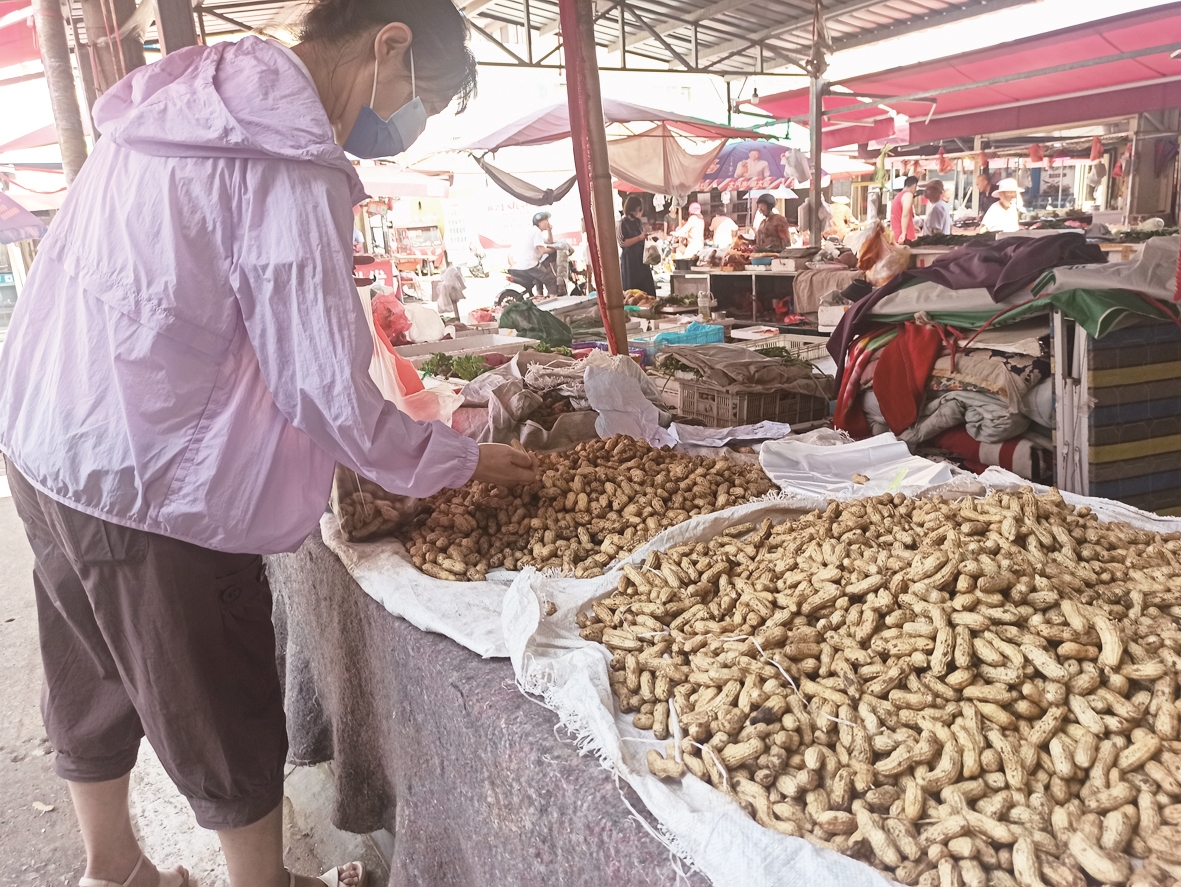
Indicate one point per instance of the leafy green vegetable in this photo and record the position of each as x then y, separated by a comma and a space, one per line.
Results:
546, 348
438, 365
469, 366
1136, 236
783, 355
669, 366
466, 367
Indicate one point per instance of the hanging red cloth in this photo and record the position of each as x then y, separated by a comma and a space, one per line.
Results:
580, 118
945, 165
1096, 149
905, 365
1036, 153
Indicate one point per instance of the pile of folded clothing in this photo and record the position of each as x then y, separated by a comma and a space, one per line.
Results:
976, 406
951, 359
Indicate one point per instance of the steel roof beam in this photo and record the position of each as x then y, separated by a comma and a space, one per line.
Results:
668, 26
471, 7
965, 10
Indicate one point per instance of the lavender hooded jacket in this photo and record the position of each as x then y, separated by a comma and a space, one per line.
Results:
189, 355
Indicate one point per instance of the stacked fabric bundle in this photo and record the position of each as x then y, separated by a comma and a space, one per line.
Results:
976, 406
912, 360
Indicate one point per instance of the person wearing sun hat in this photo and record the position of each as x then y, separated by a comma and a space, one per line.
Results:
1004, 215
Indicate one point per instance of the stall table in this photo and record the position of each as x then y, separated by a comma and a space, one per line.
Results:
738, 292
440, 748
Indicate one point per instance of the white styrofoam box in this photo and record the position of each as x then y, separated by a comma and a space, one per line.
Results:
829, 316
483, 344
755, 333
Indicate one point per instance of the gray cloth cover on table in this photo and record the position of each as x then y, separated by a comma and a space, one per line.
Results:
810, 286
740, 369
439, 747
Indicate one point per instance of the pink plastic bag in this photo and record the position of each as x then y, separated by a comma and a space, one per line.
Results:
400, 383
389, 316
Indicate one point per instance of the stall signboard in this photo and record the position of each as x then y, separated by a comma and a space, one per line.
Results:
382, 272
761, 165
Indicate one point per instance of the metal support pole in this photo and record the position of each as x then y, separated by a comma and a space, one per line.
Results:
528, 32
59, 77
729, 105
593, 165
86, 72
201, 25
114, 54
696, 50
622, 37
817, 123
977, 144
175, 24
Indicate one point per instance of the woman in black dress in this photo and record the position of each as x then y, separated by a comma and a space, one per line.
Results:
636, 274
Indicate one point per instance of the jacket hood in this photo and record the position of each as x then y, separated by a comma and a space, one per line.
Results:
245, 100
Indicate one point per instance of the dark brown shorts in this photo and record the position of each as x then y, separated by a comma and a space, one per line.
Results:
146, 635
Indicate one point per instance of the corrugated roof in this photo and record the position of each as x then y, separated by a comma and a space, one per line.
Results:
736, 36
717, 36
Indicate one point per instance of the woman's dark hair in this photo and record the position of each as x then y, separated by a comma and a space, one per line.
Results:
766, 200
444, 66
632, 204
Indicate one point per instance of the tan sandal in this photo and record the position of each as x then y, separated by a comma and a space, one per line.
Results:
332, 876
167, 879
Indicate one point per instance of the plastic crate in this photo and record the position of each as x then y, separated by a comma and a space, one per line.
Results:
719, 408
804, 347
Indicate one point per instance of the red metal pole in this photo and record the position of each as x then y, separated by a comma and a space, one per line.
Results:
592, 164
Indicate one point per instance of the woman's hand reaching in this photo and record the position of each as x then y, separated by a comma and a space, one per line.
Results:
505, 465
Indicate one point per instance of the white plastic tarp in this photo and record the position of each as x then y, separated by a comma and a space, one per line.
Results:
656, 161
1153, 273
803, 468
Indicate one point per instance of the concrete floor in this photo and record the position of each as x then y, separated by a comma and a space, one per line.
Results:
39, 842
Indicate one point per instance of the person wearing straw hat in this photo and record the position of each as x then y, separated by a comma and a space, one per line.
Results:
1004, 215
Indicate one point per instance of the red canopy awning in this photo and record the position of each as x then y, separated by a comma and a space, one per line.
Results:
38, 138
1052, 84
552, 124
393, 181
18, 40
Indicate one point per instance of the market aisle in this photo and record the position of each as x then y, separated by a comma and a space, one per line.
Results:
37, 846
39, 843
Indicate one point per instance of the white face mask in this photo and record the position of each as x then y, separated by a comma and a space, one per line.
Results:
371, 137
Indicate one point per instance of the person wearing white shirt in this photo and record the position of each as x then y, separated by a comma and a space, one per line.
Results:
1004, 215
938, 218
536, 244
530, 255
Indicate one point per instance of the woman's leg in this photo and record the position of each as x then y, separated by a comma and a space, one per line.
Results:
112, 851
254, 856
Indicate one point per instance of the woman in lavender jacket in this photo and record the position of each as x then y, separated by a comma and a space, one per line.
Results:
185, 368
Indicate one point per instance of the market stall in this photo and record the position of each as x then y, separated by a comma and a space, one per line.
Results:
469, 781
